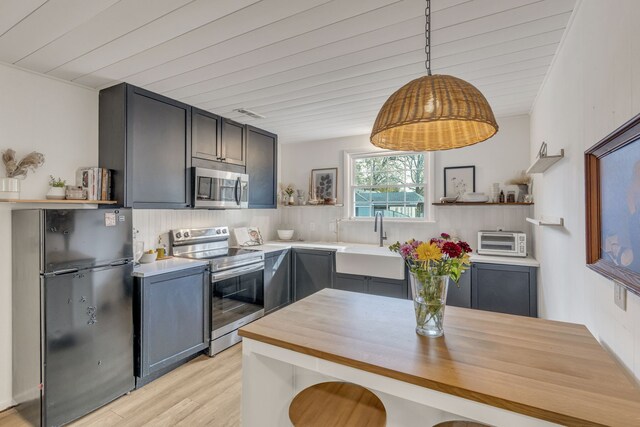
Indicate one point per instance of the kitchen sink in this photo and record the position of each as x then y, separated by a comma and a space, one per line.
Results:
370, 261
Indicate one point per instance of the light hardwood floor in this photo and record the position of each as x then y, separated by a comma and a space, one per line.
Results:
204, 392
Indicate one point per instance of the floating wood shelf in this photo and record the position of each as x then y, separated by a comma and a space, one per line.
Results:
550, 222
482, 204
544, 161
61, 202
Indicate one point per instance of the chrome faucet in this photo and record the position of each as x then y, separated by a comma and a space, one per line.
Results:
383, 235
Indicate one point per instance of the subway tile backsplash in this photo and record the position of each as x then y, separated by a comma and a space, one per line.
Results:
319, 223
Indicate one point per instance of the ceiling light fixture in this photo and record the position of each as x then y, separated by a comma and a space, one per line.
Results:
433, 112
250, 113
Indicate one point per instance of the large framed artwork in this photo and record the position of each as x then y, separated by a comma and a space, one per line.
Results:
612, 173
459, 180
324, 183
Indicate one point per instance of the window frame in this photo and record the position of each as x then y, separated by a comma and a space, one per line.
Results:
349, 188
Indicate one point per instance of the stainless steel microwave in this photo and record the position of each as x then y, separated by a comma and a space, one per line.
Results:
213, 189
502, 243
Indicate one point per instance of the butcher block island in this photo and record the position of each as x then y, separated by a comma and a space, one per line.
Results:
493, 368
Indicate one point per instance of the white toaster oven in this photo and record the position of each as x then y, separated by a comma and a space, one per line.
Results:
502, 243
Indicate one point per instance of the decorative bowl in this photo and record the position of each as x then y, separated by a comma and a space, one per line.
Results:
285, 234
148, 258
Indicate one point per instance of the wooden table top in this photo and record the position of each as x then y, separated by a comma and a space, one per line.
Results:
549, 370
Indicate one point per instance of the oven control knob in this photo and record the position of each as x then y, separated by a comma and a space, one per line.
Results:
186, 234
224, 231
178, 235
218, 231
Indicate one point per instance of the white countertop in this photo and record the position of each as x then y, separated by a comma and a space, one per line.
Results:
274, 246
527, 261
166, 266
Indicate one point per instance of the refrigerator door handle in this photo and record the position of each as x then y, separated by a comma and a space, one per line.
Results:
60, 272
118, 263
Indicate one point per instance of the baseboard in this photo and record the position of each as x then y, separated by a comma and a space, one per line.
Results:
6, 404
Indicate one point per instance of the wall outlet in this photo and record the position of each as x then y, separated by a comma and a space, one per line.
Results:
620, 295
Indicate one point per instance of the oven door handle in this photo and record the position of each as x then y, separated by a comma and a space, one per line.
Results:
237, 272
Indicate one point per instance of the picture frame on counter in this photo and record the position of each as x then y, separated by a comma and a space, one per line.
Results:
612, 196
324, 184
459, 180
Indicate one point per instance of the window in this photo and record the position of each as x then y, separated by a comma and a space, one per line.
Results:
391, 183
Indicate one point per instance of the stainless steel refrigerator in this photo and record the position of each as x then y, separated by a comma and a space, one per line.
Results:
72, 311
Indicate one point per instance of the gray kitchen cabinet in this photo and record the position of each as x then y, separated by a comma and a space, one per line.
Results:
507, 289
350, 282
145, 139
312, 271
233, 136
459, 294
171, 321
372, 285
205, 135
388, 287
262, 162
277, 280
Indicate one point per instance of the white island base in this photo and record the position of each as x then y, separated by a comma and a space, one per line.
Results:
272, 376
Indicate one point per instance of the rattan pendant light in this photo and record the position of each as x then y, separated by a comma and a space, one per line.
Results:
433, 112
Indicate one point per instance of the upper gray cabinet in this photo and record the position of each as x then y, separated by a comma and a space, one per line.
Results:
205, 143
262, 160
145, 138
234, 143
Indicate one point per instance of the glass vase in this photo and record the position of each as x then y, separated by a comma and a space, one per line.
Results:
429, 297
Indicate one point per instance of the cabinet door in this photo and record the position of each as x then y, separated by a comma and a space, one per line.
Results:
277, 281
350, 282
159, 151
174, 318
262, 159
388, 287
504, 288
459, 294
205, 136
312, 271
234, 147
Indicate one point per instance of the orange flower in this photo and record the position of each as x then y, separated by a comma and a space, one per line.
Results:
428, 252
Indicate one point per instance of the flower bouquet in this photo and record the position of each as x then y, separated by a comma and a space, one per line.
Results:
431, 264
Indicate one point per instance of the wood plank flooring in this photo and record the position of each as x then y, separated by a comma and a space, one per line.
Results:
204, 392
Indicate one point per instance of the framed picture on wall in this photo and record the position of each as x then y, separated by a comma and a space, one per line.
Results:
324, 183
459, 180
612, 178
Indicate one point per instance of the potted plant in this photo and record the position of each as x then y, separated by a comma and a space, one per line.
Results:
17, 170
431, 265
56, 188
288, 190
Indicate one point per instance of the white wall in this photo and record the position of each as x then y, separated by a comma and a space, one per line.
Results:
592, 88
497, 160
59, 120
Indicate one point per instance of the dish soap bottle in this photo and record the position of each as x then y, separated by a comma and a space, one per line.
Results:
501, 198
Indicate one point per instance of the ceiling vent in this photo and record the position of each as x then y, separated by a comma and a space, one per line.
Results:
250, 113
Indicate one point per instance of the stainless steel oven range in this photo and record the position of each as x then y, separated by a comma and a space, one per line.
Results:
237, 280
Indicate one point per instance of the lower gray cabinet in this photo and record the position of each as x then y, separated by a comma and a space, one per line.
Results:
507, 289
277, 280
171, 320
459, 294
312, 270
372, 285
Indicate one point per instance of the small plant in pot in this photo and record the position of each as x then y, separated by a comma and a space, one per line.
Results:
56, 188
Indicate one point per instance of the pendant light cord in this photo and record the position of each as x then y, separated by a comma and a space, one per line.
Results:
427, 36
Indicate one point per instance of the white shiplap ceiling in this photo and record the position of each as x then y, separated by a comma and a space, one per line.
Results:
315, 68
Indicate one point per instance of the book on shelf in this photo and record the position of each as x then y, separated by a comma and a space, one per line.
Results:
95, 181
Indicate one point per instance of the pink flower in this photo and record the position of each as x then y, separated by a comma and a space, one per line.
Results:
445, 236
406, 250
465, 247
